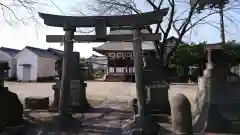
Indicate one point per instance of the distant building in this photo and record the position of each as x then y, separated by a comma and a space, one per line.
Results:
120, 54
58, 63
171, 42
35, 64
8, 55
98, 62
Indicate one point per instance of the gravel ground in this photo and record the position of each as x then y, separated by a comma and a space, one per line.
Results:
106, 91
112, 97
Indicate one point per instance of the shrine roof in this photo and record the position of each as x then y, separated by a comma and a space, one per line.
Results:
10, 51
212, 46
123, 46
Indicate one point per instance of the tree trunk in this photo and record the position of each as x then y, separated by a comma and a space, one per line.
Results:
185, 73
222, 29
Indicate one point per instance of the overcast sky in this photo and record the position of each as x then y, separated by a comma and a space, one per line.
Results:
33, 34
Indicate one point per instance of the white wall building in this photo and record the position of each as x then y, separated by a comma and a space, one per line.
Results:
34, 63
8, 55
99, 62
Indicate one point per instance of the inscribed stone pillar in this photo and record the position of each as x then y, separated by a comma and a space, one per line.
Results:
78, 101
156, 87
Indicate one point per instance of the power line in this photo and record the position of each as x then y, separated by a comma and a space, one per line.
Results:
57, 7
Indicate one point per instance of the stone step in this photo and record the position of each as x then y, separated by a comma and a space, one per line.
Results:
36, 103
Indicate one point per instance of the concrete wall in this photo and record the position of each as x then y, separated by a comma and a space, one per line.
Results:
46, 67
27, 57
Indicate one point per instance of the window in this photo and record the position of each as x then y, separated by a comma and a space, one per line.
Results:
128, 55
120, 56
111, 55
111, 70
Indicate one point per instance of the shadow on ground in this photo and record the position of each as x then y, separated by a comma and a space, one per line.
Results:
100, 121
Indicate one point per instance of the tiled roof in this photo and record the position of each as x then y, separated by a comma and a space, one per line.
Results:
10, 51
95, 57
124, 31
127, 46
213, 46
42, 52
123, 46
56, 51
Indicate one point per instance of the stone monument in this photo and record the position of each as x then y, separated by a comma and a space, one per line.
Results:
11, 107
156, 88
78, 101
215, 107
181, 115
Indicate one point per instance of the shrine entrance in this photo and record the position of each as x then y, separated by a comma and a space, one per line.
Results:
100, 23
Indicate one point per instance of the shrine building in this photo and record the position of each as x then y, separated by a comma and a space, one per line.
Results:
120, 56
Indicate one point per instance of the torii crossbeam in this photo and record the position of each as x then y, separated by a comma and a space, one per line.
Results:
147, 18
92, 38
101, 23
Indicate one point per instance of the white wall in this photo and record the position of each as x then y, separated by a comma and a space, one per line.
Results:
5, 57
46, 67
99, 62
27, 57
99, 66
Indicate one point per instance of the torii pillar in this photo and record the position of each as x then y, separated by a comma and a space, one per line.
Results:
66, 72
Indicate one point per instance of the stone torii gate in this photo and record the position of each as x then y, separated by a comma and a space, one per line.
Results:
70, 23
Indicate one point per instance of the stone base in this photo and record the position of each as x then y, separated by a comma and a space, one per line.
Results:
155, 108
37, 103
163, 108
81, 109
142, 126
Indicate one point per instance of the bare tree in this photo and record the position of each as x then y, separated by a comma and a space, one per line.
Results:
10, 11
220, 5
180, 21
